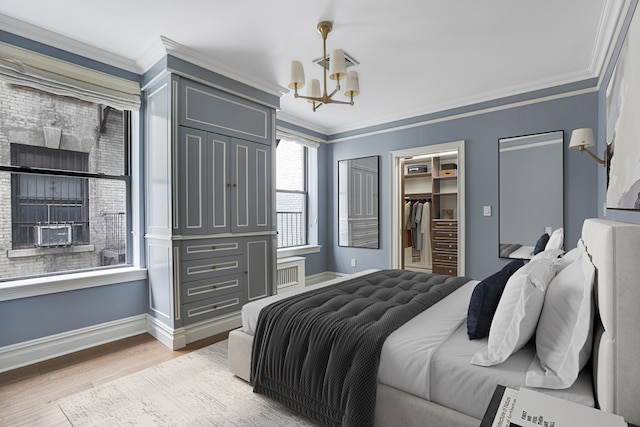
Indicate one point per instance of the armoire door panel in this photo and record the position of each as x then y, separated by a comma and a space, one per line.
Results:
219, 219
192, 210
240, 187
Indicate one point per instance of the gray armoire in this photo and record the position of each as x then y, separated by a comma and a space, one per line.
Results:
210, 229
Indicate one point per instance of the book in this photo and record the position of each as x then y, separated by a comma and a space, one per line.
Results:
528, 408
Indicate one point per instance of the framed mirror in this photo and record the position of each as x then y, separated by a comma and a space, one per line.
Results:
358, 199
531, 196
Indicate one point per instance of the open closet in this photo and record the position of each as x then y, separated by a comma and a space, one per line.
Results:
430, 210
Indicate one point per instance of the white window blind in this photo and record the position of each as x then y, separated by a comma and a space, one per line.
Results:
300, 138
26, 68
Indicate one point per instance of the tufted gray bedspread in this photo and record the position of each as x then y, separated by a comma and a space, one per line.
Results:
318, 352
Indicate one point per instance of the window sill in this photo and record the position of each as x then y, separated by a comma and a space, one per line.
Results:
25, 288
299, 250
31, 252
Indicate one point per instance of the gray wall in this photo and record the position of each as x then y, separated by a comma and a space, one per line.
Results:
481, 133
36, 317
40, 316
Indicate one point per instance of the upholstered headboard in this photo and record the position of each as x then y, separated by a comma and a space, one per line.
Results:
615, 251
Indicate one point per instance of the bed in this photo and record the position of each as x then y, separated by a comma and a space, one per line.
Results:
612, 382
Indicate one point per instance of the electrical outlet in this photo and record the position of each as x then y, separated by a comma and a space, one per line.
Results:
486, 211
548, 230
353, 262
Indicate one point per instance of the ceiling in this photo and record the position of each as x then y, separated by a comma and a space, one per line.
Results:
415, 56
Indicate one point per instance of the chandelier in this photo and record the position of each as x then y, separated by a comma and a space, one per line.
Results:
337, 71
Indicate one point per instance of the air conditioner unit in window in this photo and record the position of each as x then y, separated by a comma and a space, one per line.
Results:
53, 235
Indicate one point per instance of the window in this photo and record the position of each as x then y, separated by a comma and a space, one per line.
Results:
64, 164
49, 210
291, 194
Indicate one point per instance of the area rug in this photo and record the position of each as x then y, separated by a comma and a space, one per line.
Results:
196, 389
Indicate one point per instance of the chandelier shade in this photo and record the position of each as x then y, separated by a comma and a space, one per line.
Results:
337, 71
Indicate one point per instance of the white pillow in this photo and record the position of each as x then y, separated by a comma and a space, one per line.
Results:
568, 258
556, 240
564, 334
554, 253
514, 322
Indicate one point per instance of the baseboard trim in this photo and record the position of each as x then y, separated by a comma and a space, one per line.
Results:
314, 279
41, 349
172, 338
178, 338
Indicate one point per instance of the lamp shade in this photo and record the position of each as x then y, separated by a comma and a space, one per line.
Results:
297, 75
353, 86
314, 89
582, 138
337, 66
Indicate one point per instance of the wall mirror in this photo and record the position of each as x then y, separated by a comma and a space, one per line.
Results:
358, 202
531, 196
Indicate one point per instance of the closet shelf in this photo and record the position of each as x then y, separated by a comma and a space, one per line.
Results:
417, 175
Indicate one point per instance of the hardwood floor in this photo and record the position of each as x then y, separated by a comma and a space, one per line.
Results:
28, 395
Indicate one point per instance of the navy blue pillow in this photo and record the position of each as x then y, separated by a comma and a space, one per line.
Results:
485, 298
541, 243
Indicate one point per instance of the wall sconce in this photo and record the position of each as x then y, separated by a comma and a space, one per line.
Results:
583, 138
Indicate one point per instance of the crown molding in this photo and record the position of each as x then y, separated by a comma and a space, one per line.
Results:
285, 117
41, 35
165, 46
608, 27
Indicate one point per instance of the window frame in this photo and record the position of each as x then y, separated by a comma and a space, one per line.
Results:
128, 134
305, 192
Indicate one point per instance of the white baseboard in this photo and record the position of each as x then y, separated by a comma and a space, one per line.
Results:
314, 279
34, 351
178, 338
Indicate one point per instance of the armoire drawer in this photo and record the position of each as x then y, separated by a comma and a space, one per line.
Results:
209, 268
207, 248
211, 307
207, 288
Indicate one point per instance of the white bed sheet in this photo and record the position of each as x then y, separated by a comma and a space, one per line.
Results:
467, 388
430, 355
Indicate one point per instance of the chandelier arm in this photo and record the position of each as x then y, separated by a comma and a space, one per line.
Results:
311, 98
333, 101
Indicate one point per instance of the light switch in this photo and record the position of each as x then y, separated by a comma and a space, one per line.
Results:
487, 211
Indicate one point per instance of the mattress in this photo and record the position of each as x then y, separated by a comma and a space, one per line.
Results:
429, 356
459, 385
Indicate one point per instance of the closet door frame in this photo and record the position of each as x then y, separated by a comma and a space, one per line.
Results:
396, 214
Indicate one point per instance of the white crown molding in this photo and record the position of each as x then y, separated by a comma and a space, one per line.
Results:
466, 114
166, 46
607, 29
32, 32
476, 99
281, 115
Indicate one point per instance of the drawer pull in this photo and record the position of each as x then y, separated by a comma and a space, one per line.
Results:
213, 248
215, 307
213, 267
450, 234
215, 286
